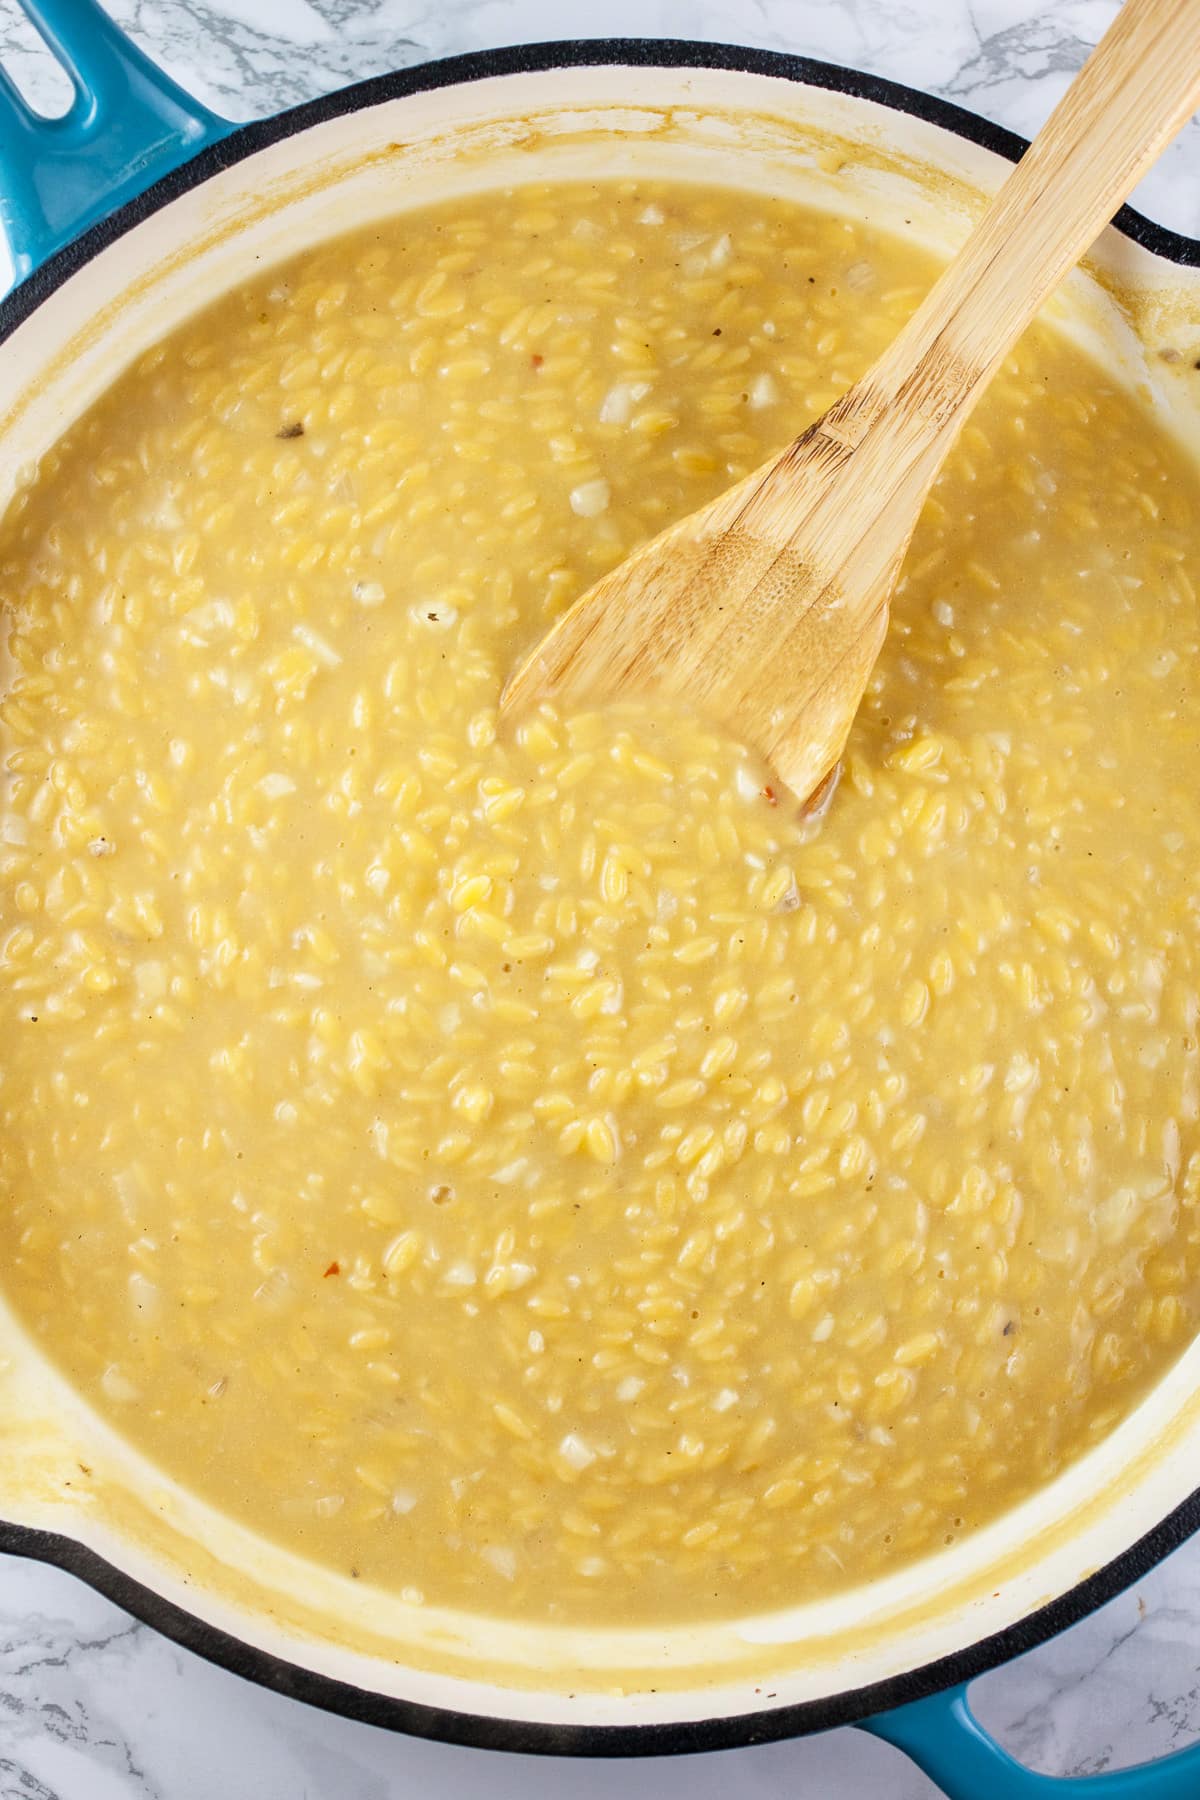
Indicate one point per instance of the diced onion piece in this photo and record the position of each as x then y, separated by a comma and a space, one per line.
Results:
440, 615
276, 785
118, 1386
166, 515
617, 406
209, 616
321, 648
590, 499
575, 1453
151, 979
144, 1295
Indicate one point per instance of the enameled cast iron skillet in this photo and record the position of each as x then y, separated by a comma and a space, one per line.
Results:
123, 217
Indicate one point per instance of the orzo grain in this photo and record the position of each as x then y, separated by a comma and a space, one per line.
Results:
533, 1169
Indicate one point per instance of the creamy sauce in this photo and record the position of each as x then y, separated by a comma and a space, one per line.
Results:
531, 1169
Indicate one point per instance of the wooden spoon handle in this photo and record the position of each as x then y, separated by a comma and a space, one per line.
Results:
1136, 91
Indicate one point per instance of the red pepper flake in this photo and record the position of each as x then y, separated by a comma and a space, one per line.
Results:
770, 796
536, 361
335, 1268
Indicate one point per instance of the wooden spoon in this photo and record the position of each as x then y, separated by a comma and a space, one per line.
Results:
767, 608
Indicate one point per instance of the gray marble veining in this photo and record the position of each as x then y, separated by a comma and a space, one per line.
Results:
96, 1707
1009, 59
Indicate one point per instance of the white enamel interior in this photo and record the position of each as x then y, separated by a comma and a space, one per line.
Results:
61, 1467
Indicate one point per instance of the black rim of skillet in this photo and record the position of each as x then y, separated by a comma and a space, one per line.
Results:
480, 1731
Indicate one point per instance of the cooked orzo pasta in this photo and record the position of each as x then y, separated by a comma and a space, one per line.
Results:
532, 1169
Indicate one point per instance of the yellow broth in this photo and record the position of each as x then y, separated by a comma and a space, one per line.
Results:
530, 1169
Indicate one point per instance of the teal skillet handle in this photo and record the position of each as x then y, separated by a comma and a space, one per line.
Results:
945, 1739
128, 124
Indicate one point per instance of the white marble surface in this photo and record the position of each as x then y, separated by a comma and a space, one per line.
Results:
96, 1707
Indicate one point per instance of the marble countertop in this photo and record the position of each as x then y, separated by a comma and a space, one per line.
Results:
94, 1706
